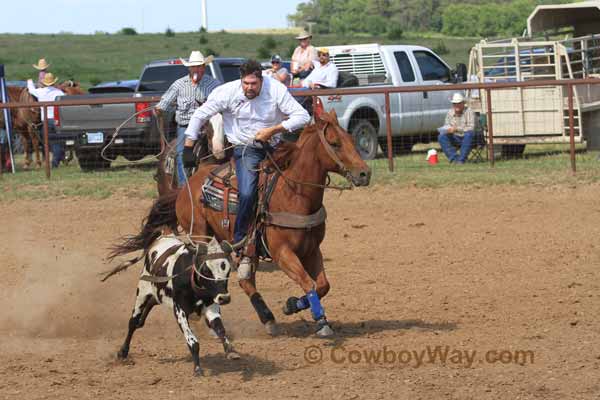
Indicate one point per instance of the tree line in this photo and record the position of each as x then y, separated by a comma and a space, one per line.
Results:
454, 18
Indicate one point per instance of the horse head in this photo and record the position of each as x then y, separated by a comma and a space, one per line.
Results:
339, 152
71, 87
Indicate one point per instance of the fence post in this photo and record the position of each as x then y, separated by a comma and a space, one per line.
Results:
490, 126
572, 128
46, 151
388, 124
7, 119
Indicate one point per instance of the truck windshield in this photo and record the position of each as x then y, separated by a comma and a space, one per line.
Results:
159, 78
230, 72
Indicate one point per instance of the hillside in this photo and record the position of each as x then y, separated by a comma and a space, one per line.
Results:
94, 58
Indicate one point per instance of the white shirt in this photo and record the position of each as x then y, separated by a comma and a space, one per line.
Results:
324, 75
48, 93
243, 117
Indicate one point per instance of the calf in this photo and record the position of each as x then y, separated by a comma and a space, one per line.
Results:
187, 282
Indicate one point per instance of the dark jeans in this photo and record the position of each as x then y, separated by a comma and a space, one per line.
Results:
57, 148
303, 74
449, 142
247, 178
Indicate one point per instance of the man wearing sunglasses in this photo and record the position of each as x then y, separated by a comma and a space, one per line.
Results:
324, 75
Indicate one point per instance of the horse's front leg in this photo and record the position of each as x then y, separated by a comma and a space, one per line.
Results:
247, 281
26, 149
35, 144
289, 262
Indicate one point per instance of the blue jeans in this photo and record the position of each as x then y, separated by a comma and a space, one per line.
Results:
247, 179
57, 148
449, 142
179, 148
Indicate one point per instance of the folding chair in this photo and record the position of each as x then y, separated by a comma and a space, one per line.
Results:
479, 149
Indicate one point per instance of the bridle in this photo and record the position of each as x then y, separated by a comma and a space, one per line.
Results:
345, 172
332, 153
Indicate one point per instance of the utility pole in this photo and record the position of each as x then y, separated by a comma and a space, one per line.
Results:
204, 16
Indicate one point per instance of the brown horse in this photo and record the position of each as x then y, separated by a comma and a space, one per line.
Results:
321, 148
26, 121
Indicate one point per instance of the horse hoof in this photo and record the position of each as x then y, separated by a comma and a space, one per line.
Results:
324, 331
232, 355
198, 372
271, 328
290, 307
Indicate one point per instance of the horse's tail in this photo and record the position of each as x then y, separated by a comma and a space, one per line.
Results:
163, 213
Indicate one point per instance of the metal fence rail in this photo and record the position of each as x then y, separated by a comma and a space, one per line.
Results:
487, 88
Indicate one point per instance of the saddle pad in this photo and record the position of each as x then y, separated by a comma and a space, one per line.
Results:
212, 196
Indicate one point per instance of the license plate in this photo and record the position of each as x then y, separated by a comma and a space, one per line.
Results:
70, 142
95, 137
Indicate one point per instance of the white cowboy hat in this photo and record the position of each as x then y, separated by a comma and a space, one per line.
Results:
49, 79
303, 35
41, 64
197, 59
457, 98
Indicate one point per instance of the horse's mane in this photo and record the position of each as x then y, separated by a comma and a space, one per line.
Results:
287, 152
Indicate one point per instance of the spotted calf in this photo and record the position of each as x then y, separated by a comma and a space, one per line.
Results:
186, 282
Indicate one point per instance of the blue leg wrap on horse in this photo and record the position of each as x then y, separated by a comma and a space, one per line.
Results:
315, 305
302, 303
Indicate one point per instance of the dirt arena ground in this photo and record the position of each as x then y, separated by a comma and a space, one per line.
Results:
492, 274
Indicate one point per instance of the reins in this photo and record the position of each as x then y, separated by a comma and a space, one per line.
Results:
334, 157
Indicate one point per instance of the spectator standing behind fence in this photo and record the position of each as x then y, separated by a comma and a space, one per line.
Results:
42, 66
189, 93
303, 57
458, 131
48, 92
278, 72
325, 74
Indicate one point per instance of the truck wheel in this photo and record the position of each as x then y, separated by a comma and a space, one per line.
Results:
511, 151
92, 161
134, 156
365, 138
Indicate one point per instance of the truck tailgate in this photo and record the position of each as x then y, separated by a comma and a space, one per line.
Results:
96, 117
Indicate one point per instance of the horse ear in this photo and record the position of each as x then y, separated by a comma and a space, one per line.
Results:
333, 114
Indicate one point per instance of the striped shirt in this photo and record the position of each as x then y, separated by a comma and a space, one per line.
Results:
188, 96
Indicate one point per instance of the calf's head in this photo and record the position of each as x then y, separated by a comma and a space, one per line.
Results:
214, 268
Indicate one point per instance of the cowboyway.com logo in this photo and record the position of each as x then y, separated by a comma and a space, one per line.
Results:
443, 355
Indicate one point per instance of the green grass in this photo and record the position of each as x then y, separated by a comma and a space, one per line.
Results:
94, 58
542, 166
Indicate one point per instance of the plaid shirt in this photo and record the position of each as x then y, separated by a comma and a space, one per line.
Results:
462, 123
188, 96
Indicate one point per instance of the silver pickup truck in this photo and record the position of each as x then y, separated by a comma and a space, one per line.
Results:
414, 116
89, 128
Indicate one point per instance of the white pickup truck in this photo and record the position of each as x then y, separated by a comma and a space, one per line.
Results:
414, 116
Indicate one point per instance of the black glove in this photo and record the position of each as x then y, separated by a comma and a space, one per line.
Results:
189, 159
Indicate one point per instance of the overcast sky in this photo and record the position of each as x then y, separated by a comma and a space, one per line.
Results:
88, 16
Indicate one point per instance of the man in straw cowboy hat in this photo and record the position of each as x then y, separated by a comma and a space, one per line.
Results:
458, 130
48, 92
303, 57
42, 66
189, 93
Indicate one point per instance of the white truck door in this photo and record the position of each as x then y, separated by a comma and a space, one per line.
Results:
433, 71
406, 108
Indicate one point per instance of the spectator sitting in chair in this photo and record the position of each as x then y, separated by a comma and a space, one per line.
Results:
458, 131
324, 75
278, 72
303, 57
